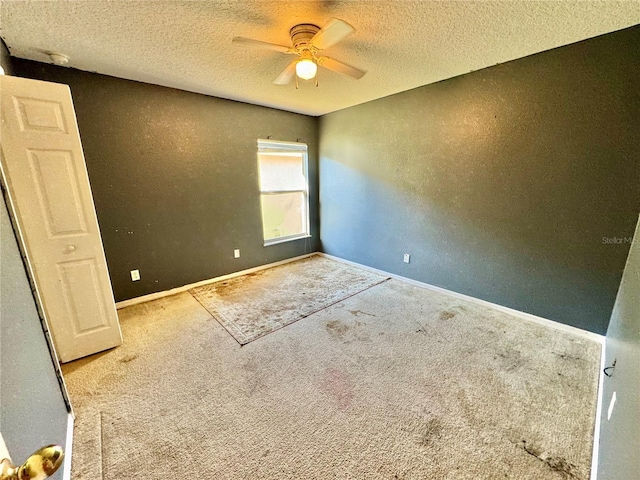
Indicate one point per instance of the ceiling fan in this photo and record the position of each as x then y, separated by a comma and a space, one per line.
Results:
307, 42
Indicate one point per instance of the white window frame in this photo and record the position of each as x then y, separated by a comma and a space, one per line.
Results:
276, 147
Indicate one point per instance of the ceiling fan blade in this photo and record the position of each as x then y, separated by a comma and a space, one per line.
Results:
249, 42
334, 31
287, 75
339, 67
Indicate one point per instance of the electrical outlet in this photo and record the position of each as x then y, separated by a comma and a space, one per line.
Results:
407, 257
135, 275
236, 253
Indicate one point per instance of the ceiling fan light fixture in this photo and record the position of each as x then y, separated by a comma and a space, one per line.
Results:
306, 69
307, 40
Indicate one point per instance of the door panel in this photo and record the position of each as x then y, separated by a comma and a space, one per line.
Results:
82, 293
43, 166
39, 115
56, 183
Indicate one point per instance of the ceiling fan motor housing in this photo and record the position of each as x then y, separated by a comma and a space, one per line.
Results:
302, 34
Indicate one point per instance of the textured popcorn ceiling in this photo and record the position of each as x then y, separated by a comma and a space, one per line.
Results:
402, 44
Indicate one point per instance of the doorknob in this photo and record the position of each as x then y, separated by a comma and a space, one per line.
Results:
70, 248
38, 466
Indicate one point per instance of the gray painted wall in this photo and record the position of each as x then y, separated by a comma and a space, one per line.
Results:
501, 183
33, 412
174, 177
619, 455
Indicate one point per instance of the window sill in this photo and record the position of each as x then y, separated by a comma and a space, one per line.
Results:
275, 241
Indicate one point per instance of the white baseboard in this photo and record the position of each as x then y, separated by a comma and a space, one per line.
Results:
596, 429
184, 288
66, 472
516, 313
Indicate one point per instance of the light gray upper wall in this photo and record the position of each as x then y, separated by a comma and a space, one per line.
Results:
619, 454
174, 177
33, 412
501, 183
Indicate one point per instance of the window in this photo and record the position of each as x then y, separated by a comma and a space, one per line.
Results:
284, 190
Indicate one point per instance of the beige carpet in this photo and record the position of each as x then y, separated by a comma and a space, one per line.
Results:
396, 382
253, 305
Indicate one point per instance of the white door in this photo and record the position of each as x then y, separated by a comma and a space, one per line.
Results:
45, 174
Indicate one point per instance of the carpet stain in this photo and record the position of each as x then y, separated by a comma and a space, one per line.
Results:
347, 332
336, 328
337, 384
224, 288
250, 365
557, 464
466, 405
129, 358
447, 315
357, 313
565, 356
424, 429
511, 359
429, 431
254, 380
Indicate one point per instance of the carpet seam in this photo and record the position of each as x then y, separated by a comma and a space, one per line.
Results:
248, 340
314, 312
341, 300
218, 320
